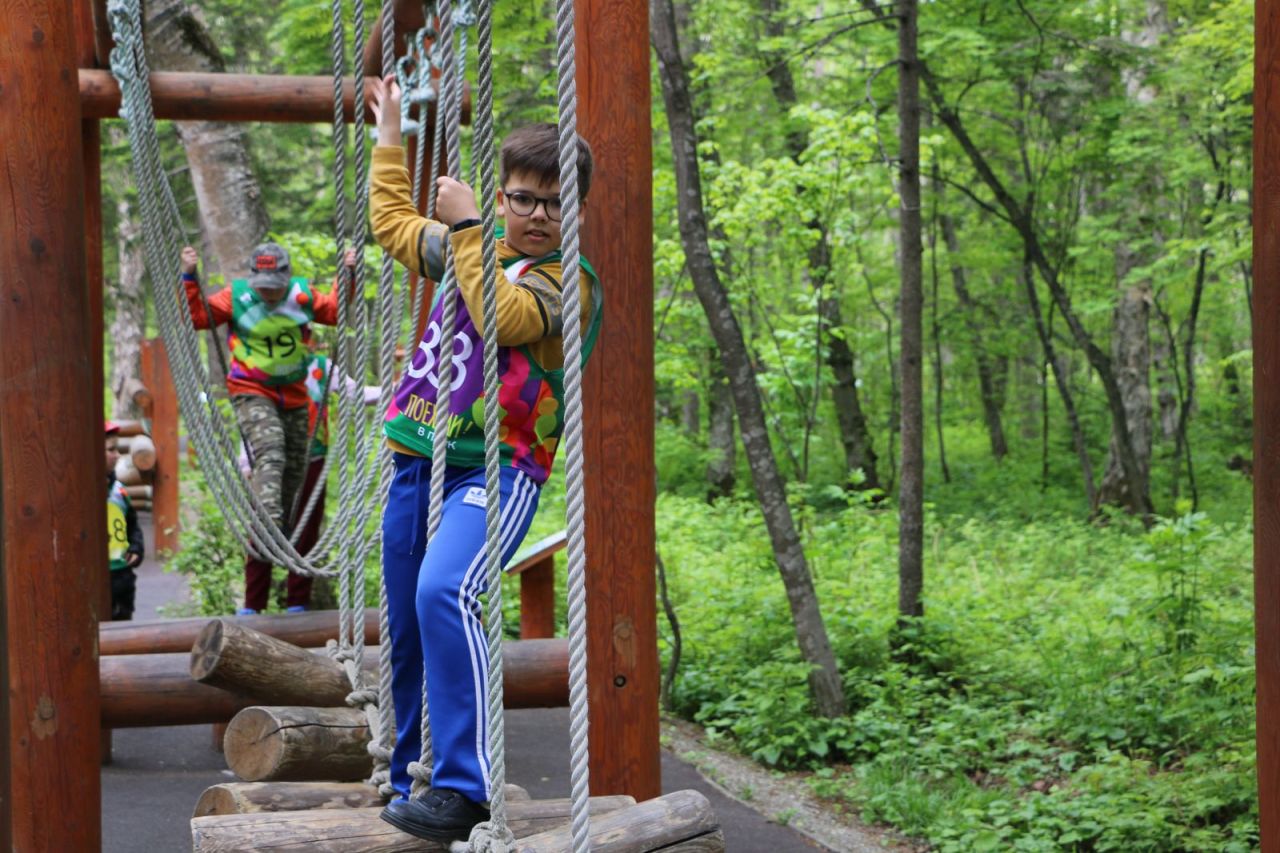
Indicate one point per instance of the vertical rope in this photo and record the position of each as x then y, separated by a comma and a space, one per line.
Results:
493, 835
574, 489
444, 364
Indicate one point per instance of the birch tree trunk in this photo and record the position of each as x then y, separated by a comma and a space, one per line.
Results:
1131, 360
811, 633
1131, 331
232, 215
129, 323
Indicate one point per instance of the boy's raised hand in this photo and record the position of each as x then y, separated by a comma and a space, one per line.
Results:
190, 260
384, 101
349, 259
455, 201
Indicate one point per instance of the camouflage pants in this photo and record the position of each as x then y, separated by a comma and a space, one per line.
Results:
277, 441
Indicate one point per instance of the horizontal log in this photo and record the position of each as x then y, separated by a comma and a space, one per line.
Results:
310, 630
142, 451
137, 393
142, 492
360, 830
157, 690
298, 744
202, 96
129, 428
231, 656
682, 820
255, 797
128, 475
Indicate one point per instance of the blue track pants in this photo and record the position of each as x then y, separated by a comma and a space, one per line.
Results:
433, 599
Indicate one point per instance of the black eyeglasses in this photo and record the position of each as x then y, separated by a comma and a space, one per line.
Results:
524, 204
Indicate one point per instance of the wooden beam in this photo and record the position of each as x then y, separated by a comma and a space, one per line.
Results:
209, 96
1266, 412
158, 690
614, 106
310, 630
201, 96
51, 492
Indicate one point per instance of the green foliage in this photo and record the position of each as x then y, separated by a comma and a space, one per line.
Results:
211, 557
1072, 687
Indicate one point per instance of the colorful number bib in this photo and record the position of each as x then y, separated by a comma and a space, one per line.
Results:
269, 342
530, 397
117, 527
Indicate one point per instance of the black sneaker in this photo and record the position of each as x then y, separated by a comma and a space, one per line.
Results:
440, 815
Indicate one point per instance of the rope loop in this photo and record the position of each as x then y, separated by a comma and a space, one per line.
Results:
488, 837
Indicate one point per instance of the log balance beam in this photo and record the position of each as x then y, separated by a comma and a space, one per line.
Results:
680, 821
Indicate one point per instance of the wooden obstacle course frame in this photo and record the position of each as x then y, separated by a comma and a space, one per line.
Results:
49, 668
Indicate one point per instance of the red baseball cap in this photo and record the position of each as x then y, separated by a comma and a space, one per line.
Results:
112, 427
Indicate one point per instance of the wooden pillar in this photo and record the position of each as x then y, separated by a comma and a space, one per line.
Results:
613, 116
1266, 412
91, 149
51, 486
164, 432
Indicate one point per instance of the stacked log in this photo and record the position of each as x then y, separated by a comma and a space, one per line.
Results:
135, 469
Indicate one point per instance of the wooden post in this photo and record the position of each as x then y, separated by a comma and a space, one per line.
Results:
91, 150
614, 103
164, 433
54, 535
1266, 412
538, 600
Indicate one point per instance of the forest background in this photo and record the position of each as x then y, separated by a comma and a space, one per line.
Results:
1056, 652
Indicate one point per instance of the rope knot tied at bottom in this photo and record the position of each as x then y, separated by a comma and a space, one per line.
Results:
420, 771
486, 837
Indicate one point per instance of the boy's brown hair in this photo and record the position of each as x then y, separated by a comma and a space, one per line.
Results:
535, 149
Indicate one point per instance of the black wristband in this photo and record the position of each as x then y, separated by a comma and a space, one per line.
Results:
466, 223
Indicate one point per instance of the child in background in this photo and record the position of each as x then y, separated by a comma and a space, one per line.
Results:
269, 314
125, 545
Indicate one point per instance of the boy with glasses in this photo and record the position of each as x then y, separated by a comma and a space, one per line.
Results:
434, 593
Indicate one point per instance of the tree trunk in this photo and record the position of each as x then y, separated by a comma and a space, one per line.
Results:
231, 209
1131, 358
1162, 359
855, 437
911, 486
811, 634
1131, 332
722, 469
128, 326
989, 379
939, 384
1064, 388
